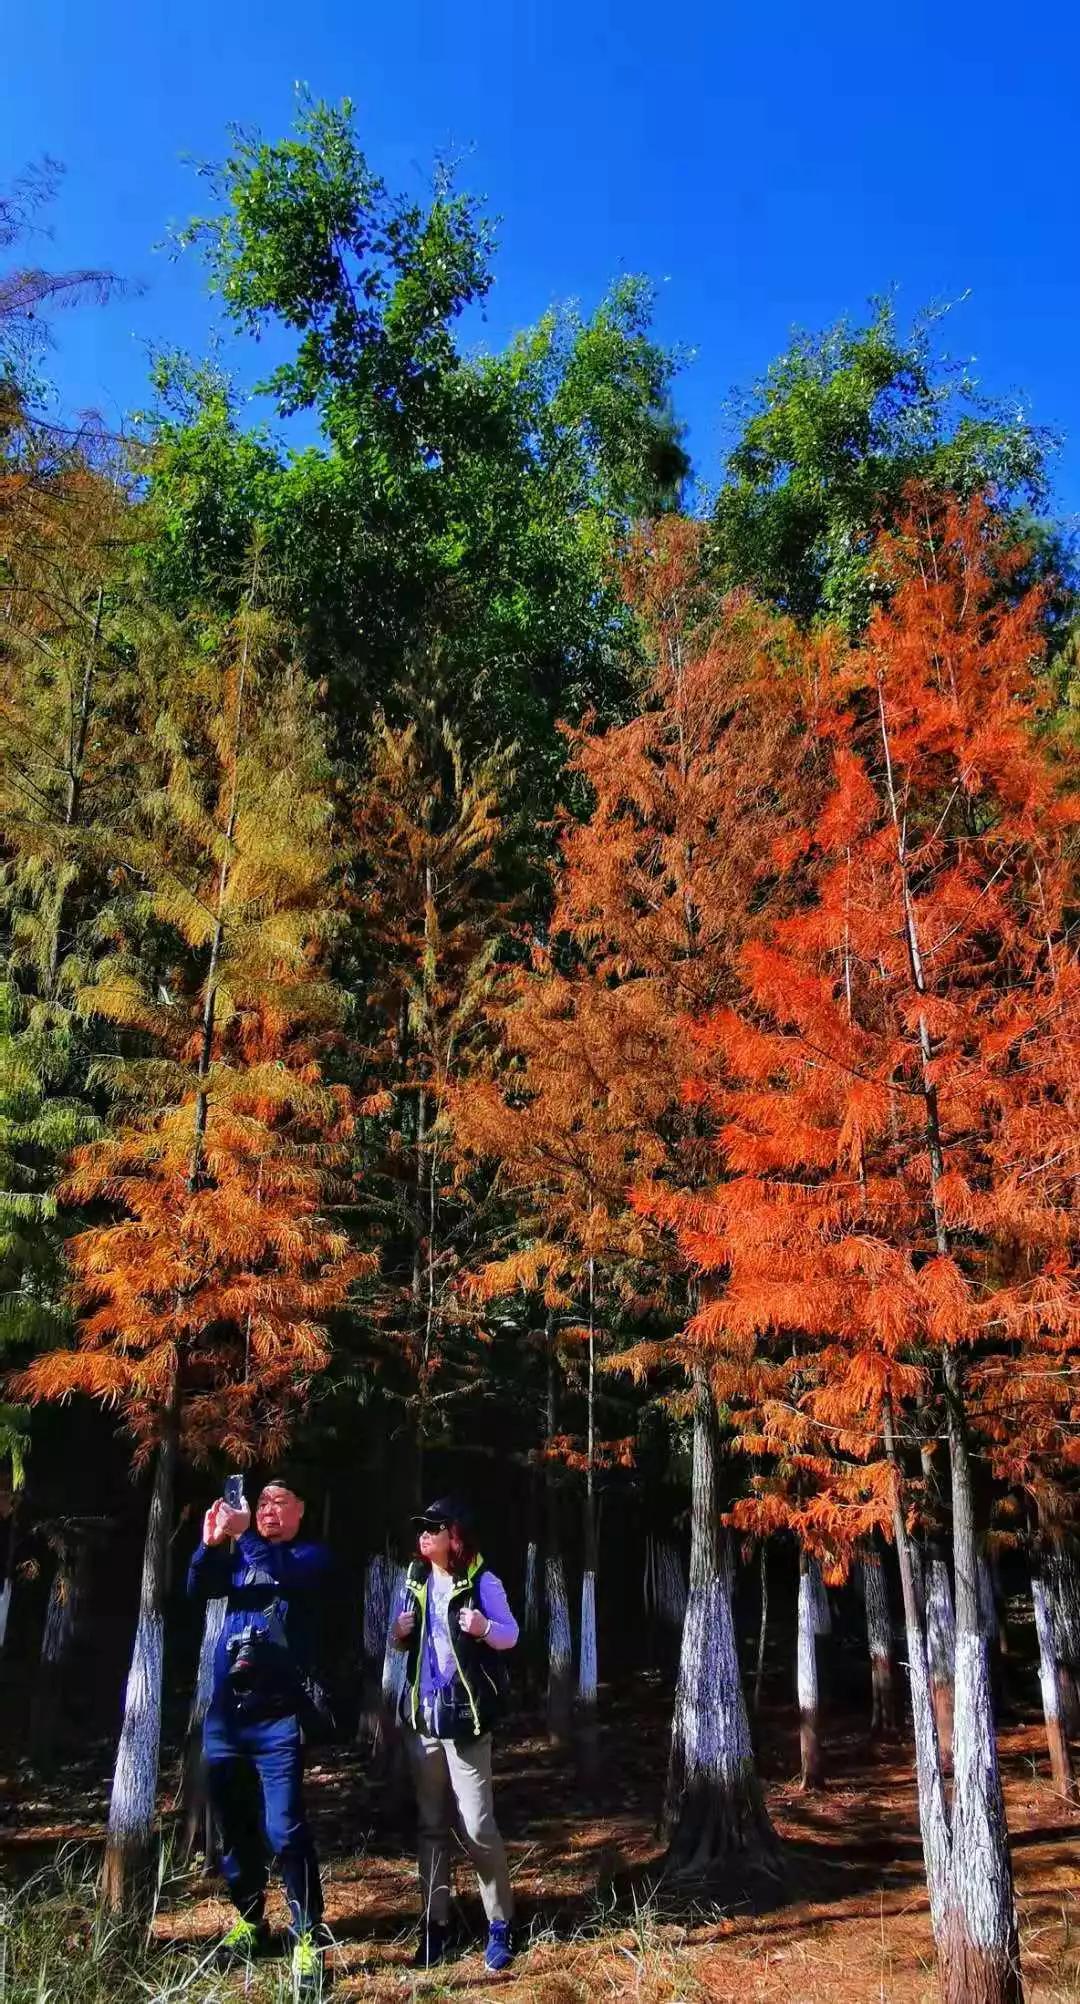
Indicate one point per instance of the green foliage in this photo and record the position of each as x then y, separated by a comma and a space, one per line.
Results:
450, 535
39, 1124
842, 423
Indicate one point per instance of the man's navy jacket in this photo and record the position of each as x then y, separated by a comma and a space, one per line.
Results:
264, 1584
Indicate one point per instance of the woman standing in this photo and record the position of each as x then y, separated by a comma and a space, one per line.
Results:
456, 1615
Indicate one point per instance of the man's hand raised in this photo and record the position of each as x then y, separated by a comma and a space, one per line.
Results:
222, 1522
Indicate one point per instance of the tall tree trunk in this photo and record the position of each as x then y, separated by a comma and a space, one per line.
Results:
978, 1942
813, 1772
714, 1809
195, 1816
941, 1647
1049, 1683
378, 1609
933, 1808
763, 1626
587, 1686
982, 1949
531, 1610
879, 1641
587, 1653
559, 1640
66, 1595
1062, 1576
127, 1871
820, 1600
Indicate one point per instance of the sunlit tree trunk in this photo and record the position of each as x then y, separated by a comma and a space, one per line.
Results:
808, 1615
941, 1647
196, 1821
127, 1871
714, 1809
559, 1637
981, 1952
933, 1807
1062, 1577
1057, 1738
879, 1641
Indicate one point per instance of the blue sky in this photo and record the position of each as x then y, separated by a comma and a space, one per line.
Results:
771, 166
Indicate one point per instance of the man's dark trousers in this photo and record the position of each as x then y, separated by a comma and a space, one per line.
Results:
234, 1746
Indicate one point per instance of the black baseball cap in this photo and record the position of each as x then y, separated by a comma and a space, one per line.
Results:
445, 1510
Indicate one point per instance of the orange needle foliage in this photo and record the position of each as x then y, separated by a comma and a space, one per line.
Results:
929, 979
656, 890
207, 1292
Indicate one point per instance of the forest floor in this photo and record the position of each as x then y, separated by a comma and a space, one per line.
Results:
847, 1922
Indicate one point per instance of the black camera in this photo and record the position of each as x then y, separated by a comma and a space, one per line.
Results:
248, 1654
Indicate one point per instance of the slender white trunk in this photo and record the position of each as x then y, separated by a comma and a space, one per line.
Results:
981, 1949
5, 1610
560, 1648
807, 1677
670, 1585
129, 1845
941, 1650
531, 1622
933, 1808
879, 1642
820, 1600
394, 1659
378, 1583
1050, 1685
378, 1593
1063, 1585
587, 1664
714, 1807
195, 1810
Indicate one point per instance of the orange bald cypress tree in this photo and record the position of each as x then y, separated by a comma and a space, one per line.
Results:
204, 1298
895, 1094
589, 1092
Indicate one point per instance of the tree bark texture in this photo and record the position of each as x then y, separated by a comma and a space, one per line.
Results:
941, 1649
714, 1809
1050, 1686
879, 1643
980, 1948
66, 1595
813, 1772
129, 1844
196, 1819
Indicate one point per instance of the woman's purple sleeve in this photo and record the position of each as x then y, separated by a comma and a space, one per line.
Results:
503, 1632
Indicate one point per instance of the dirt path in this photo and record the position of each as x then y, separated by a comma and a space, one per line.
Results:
849, 1922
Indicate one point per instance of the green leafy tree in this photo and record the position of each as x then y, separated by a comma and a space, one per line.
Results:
449, 533
840, 427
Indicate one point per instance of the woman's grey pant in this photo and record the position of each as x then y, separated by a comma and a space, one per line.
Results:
449, 1774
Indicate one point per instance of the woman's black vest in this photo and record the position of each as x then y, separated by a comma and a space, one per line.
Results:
470, 1704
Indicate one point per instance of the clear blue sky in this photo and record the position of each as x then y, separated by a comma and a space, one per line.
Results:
771, 165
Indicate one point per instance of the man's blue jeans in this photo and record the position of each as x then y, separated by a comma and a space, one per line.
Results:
246, 1759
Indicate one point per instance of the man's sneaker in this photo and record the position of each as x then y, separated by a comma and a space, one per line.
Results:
245, 1940
434, 1945
499, 1953
310, 1977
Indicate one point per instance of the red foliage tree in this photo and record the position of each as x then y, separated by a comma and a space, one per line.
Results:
896, 1094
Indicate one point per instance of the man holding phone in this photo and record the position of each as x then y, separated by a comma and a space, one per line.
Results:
274, 1583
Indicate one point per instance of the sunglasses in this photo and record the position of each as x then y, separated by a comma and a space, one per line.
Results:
435, 1524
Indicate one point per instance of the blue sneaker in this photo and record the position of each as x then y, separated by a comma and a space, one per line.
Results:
499, 1953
